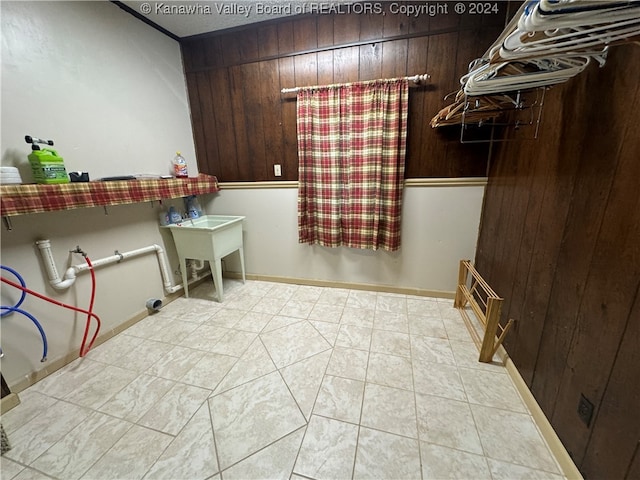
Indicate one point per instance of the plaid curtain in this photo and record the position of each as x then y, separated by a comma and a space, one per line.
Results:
351, 151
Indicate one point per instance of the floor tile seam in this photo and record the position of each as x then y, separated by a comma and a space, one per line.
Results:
556, 462
558, 472
504, 409
355, 455
485, 452
320, 333
215, 444
46, 475
17, 462
330, 347
378, 429
215, 394
483, 456
57, 400
221, 471
315, 400
512, 462
131, 425
160, 399
415, 401
293, 397
112, 415
479, 369
298, 320
367, 381
304, 436
473, 417
183, 382
213, 344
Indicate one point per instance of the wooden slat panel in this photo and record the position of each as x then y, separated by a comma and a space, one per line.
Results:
244, 160
346, 28
394, 59
288, 127
345, 64
614, 444
399, 24
285, 38
268, 41
306, 69
614, 273
286, 70
271, 111
240, 48
224, 131
208, 120
196, 122
370, 62
252, 95
371, 27
212, 52
417, 51
589, 195
432, 156
446, 21
242, 113
633, 471
325, 68
572, 262
325, 30
305, 34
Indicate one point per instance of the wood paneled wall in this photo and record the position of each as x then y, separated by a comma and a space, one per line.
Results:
560, 241
243, 125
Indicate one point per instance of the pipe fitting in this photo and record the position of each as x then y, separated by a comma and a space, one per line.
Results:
154, 305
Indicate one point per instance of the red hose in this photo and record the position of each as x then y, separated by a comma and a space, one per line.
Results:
90, 314
83, 350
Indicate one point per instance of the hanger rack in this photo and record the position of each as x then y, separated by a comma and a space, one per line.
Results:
547, 42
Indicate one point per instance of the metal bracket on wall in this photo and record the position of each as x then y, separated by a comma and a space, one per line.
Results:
523, 110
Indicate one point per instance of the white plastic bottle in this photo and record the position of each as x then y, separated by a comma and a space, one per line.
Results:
180, 166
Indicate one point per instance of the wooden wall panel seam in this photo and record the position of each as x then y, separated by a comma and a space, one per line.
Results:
335, 47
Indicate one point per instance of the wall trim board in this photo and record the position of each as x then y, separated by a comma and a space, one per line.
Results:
562, 457
409, 182
7, 403
353, 286
566, 464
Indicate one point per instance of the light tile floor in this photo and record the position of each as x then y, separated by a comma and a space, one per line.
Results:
280, 381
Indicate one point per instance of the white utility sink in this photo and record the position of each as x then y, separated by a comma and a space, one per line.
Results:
210, 238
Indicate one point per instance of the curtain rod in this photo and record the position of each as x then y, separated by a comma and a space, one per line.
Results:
415, 78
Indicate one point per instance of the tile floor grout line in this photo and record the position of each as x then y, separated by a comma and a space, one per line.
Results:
215, 441
415, 401
237, 293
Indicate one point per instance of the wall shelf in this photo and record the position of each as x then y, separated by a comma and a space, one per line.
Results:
36, 198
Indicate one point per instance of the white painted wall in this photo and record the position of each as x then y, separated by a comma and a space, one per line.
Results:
439, 227
110, 91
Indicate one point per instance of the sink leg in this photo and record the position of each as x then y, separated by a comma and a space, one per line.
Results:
185, 276
216, 273
241, 251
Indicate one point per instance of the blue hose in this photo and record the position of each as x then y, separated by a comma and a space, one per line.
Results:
21, 280
15, 308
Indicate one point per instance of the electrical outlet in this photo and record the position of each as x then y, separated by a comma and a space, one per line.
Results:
585, 410
277, 170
